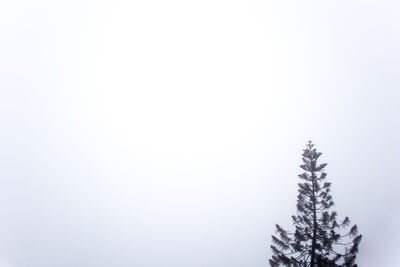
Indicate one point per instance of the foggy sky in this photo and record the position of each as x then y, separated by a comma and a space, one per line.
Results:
170, 133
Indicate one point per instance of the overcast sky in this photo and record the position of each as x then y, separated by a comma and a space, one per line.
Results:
169, 133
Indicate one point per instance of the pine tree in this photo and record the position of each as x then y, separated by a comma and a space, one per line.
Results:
318, 239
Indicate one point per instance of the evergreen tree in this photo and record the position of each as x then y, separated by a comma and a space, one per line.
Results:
318, 239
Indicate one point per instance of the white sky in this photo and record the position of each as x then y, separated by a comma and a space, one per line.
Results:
169, 133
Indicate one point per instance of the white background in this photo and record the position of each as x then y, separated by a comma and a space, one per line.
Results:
169, 133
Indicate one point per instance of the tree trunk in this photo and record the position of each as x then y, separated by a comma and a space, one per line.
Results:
314, 237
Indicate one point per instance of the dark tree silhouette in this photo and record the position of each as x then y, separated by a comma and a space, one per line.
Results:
318, 239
